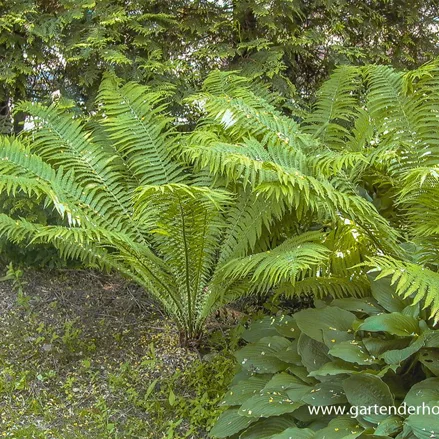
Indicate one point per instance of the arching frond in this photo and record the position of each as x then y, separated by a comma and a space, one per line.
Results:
411, 280
284, 263
142, 135
335, 109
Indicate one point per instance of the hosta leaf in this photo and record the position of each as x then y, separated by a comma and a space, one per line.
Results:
285, 381
365, 390
423, 392
340, 428
261, 328
406, 433
302, 373
258, 357
290, 356
336, 367
429, 357
367, 306
390, 426
242, 391
394, 323
432, 339
316, 322
424, 426
265, 428
396, 356
297, 392
373, 436
295, 433
287, 327
330, 338
377, 346
412, 310
230, 423
352, 352
327, 393
385, 295
312, 352
267, 404
309, 417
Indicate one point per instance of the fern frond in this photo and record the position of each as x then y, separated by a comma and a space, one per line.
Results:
283, 263
245, 221
411, 280
335, 109
188, 227
141, 134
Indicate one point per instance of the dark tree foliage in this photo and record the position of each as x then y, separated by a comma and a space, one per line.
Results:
66, 45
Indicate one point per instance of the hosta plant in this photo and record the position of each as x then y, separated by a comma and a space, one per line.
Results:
198, 219
349, 354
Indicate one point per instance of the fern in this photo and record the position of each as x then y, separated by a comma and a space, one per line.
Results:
250, 201
188, 217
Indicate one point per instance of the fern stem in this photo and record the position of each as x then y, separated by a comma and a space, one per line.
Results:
186, 255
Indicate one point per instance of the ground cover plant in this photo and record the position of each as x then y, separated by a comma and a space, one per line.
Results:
379, 350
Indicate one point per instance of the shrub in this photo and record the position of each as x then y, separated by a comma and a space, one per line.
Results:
351, 353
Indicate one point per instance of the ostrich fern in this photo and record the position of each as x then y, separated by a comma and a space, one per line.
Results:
381, 128
246, 203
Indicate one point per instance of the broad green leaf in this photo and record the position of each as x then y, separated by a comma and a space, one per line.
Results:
328, 320
423, 392
390, 426
309, 417
336, 367
396, 356
374, 436
394, 323
424, 426
265, 428
230, 423
290, 356
340, 428
367, 306
432, 339
385, 295
327, 393
242, 391
287, 327
412, 310
302, 373
406, 433
295, 433
429, 357
377, 346
268, 403
313, 353
352, 352
331, 338
260, 329
285, 381
258, 357
366, 390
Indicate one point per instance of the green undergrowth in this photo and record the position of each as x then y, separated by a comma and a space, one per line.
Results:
75, 367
